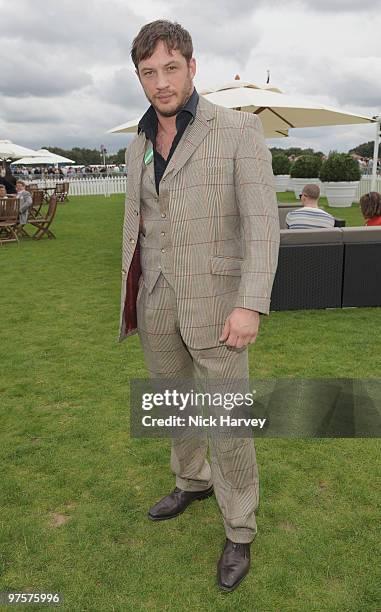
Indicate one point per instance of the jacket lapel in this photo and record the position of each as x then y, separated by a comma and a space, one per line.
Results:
192, 137
135, 166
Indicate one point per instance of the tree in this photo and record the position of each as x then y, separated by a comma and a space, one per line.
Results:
340, 167
83, 156
281, 164
366, 149
117, 158
306, 166
295, 152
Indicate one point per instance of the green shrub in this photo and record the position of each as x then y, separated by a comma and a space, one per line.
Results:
306, 166
281, 164
340, 167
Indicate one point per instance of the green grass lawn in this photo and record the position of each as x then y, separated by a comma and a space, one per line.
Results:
75, 488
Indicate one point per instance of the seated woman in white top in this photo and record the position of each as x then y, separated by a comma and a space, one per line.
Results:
26, 201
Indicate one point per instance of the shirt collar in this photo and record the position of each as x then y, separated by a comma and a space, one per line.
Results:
148, 123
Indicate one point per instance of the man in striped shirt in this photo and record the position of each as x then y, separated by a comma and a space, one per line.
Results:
310, 216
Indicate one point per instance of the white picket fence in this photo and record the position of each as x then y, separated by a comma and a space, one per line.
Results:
365, 186
117, 184
89, 186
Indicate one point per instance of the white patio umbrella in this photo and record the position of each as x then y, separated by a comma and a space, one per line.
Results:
9, 150
278, 111
44, 157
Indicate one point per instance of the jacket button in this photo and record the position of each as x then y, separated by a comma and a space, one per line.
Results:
136, 213
163, 215
124, 271
132, 240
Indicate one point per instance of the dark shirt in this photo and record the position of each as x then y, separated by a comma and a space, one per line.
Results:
148, 125
10, 187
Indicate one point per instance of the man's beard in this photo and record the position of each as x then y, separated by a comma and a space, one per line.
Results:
169, 113
186, 93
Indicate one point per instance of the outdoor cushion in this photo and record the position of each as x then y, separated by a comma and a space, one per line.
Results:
361, 234
311, 236
283, 212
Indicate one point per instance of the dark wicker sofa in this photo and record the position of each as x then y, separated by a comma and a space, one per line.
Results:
362, 266
334, 268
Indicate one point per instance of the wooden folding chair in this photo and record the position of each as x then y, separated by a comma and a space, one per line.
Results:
43, 223
31, 187
9, 218
34, 212
38, 200
62, 191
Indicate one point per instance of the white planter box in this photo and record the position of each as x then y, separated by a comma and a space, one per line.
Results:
341, 194
298, 184
281, 182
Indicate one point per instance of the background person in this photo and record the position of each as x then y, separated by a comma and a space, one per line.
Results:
310, 215
25, 199
370, 205
7, 178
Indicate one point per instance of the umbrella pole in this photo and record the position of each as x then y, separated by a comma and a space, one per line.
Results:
373, 185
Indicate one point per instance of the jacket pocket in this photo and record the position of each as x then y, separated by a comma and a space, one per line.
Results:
229, 266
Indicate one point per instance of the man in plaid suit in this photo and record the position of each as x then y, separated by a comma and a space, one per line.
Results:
200, 248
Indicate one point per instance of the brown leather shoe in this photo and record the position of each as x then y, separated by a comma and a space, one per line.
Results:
233, 565
175, 503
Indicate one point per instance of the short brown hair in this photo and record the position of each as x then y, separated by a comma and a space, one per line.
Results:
370, 204
311, 191
21, 182
172, 34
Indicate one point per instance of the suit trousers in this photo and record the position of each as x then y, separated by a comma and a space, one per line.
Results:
233, 467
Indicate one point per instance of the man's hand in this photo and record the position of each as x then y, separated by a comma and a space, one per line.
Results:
241, 328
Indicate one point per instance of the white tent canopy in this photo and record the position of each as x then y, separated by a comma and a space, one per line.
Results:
9, 150
45, 157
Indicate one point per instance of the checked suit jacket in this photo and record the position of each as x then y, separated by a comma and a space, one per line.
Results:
219, 192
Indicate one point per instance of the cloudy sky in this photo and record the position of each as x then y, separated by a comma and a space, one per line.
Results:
67, 77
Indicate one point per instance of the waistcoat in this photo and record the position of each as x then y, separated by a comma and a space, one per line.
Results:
155, 241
